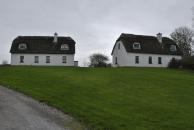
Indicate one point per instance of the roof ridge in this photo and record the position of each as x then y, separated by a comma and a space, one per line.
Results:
44, 36
128, 34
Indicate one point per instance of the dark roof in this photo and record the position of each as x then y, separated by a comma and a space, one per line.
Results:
149, 44
43, 45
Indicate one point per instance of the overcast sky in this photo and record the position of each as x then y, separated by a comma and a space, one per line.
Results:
93, 24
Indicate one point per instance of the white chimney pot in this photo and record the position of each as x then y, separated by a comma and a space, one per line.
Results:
55, 37
159, 37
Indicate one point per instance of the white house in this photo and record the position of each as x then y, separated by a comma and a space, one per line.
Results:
144, 51
43, 51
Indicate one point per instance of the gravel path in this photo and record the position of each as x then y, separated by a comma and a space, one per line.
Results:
19, 112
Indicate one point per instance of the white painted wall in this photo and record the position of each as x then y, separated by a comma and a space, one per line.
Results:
128, 59
55, 59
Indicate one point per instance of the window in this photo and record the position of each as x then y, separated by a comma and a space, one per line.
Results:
21, 59
116, 61
136, 59
36, 59
119, 46
64, 59
159, 60
172, 48
64, 47
150, 60
136, 46
47, 59
22, 46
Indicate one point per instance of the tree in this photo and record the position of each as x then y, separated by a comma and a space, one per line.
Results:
183, 37
98, 60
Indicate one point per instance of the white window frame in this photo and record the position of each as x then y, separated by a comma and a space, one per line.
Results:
21, 59
136, 47
64, 47
48, 59
36, 59
173, 48
159, 60
22, 46
64, 59
136, 59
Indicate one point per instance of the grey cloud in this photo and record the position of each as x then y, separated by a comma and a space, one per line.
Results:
95, 25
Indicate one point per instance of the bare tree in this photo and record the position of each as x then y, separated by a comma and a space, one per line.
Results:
98, 60
183, 36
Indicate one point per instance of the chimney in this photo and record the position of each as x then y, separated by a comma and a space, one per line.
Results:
159, 37
55, 37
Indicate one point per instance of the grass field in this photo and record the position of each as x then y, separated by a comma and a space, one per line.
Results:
112, 98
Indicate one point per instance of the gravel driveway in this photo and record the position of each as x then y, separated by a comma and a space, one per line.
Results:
19, 112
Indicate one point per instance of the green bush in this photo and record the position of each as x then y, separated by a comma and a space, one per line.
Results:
188, 62
174, 63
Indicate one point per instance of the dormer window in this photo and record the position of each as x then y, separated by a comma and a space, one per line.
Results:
22, 46
64, 47
172, 48
136, 45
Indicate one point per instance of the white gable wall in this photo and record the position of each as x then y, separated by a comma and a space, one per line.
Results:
128, 59
55, 59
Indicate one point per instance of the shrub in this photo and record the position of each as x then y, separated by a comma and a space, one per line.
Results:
109, 65
188, 62
174, 63
98, 60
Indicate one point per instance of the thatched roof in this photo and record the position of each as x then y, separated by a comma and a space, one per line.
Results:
43, 45
149, 44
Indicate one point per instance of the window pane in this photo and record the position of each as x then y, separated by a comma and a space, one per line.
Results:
137, 59
159, 60
22, 46
36, 60
136, 46
173, 48
21, 59
47, 59
150, 60
64, 47
64, 59
115, 60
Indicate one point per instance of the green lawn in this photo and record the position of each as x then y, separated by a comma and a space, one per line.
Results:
111, 98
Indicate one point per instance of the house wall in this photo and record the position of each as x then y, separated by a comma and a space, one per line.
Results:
55, 59
128, 59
